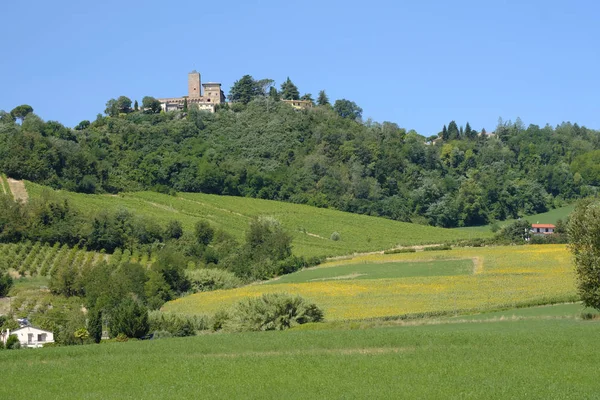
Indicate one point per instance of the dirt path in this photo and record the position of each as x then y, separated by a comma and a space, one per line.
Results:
18, 190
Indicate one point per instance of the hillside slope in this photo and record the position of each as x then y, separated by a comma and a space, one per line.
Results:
310, 227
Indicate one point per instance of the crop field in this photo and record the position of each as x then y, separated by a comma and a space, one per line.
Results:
498, 277
381, 271
31, 259
311, 227
531, 359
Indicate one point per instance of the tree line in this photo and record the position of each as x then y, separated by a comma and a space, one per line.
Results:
327, 156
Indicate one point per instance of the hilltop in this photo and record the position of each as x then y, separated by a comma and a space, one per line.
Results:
323, 156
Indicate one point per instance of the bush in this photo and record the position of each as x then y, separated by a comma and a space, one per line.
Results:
335, 236
121, 337
398, 251
208, 279
436, 248
176, 324
12, 343
271, 312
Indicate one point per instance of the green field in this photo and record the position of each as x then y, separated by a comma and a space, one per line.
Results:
500, 277
310, 227
534, 359
569, 310
380, 271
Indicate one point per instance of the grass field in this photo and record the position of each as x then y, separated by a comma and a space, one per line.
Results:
310, 227
502, 277
533, 359
549, 217
381, 271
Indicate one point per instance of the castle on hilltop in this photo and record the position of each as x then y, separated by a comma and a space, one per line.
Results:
205, 95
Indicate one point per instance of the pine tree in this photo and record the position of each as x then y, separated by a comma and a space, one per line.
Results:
289, 91
185, 105
95, 324
453, 132
274, 94
323, 100
136, 106
468, 131
444, 133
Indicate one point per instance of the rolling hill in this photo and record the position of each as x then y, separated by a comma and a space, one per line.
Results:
310, 227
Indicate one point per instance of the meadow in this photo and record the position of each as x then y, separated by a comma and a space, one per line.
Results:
549, 217
310, 227
523, 359
498, 277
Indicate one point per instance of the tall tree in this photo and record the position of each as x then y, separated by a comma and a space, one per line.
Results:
244, 90
274, 94
185, 105
444, 133
322, 100
584, 235
136, 106
289, 91
469, 133
20, 112
347, 109
151, 105
307, 97
453, 132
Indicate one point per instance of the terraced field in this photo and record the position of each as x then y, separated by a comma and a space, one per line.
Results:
417, 284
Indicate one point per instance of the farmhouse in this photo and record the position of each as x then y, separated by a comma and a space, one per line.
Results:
29, 336
542, 229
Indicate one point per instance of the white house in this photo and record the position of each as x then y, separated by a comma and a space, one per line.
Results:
29, 336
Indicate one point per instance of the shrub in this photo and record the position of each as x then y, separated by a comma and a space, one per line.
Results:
398, 251
208, 279
121, 337
436, 248
12, 343
335, 236
272, 311
219, 320
176, 324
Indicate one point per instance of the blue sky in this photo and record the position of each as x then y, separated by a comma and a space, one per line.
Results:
417, 63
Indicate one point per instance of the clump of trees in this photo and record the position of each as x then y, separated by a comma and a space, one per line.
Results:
327, 156
584, 236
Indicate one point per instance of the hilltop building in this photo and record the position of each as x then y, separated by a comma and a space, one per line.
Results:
299, 104
205, 95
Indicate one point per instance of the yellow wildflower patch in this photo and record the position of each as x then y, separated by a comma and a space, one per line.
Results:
505, 276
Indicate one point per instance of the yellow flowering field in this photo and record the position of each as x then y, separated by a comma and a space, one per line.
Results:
501, 277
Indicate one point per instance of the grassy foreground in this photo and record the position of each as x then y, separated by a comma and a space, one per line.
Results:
538, 359
311, 227
499, 277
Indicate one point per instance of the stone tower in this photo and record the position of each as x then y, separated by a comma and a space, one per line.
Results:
194, 86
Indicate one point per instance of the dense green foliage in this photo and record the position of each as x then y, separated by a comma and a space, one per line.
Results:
584, 236
271, 312
260, 147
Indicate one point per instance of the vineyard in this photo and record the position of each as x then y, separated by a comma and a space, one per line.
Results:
29, 259
312, 228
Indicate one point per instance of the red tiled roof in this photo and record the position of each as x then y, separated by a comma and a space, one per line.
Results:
543, 226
